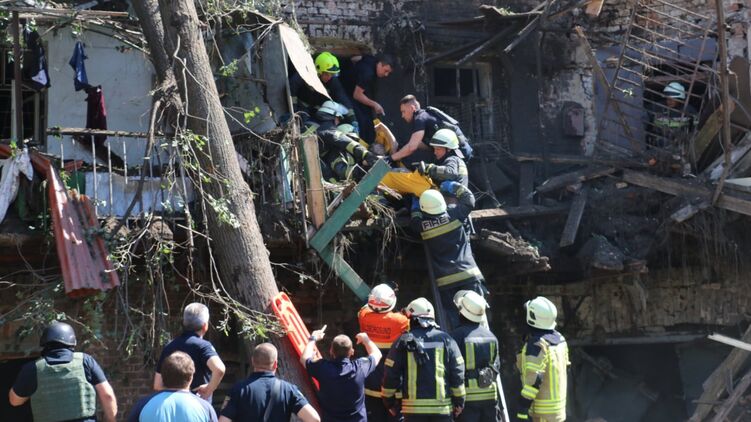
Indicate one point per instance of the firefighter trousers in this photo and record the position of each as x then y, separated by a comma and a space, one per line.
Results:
428, 418
377, 411
487, 411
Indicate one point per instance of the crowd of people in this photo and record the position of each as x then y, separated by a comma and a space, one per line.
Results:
413, 371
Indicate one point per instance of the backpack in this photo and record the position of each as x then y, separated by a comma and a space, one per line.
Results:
448, 122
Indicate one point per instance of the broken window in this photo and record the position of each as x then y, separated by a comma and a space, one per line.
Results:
33, 103
448, 81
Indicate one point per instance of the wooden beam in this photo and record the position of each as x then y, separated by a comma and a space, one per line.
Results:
742, 184
526, 183
574, 177
59, 131
516, 212
314, 194
17, 79
723, 411
684, 188
708, 132
572, 159
345, 272
714, 386
484, 46
348, 207
594, 8
688, 211
730, 341
717, 168
574, 219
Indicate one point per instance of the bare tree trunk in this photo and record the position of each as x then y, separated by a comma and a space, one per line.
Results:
241, 255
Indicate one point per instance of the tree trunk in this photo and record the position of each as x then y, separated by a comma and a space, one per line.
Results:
241, 256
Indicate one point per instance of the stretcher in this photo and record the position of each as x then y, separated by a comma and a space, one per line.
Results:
297, 332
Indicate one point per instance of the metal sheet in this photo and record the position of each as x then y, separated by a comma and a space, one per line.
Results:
301, 59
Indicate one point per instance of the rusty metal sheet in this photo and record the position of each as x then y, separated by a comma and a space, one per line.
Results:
301, 59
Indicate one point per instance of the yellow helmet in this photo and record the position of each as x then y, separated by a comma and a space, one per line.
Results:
432, 202
328, 63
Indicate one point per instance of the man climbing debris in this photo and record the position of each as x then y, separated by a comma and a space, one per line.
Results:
543, 363
425, 364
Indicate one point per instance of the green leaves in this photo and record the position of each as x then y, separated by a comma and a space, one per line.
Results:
249, 115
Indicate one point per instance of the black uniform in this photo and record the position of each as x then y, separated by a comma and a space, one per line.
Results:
453, 263
480, 350
451, 168
339, 151
364, 75
427, 366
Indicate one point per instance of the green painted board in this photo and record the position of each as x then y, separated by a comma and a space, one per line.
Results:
346, 273
343, 212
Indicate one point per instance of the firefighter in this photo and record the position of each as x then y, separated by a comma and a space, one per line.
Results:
479, 348
339, 152
449, 164
384, 327
63, 385
306, 99
425, 364
442, 230
672, 126
543, 362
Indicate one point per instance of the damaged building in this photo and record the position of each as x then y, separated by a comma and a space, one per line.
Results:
583, 197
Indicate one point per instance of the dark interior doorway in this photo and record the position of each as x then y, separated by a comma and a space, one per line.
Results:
9, 369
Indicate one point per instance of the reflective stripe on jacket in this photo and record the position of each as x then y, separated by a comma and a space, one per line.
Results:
480, 350
383, 329
543, 363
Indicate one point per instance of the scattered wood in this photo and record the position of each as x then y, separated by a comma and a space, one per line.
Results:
566, 179
572, 159
59, 131
594, 8
689, 210
715, 170
742, 184
484, 46
730, 341
574, 219
714, 386
599, 253
723, 411
709, 131
526, 183
685, 187
523, 257
517, 212
314, 195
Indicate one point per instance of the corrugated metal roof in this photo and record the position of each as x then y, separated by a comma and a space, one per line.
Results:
81, 250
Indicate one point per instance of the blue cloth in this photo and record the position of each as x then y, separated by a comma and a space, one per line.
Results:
172, 406
26, 382
342, 393
248, 399
81, 81
198, 349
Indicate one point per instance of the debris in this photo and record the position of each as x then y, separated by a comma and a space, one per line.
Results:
526, 183
524, 258
574, 177
709, 131
526, 211
574, 219
601, 254
730, 341
594, 8
621, 185
688, 211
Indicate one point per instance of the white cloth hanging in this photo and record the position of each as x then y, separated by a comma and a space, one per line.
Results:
13, 167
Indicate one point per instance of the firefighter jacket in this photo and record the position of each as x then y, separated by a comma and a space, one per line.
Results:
480, 350
671, 127
451, 167
426, 365
543, 363
383, 328
447, 240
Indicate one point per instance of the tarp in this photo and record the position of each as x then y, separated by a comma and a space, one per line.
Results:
301, 59
13, 167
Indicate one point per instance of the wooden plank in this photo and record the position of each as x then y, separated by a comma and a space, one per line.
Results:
594, 8
742, 184
714, 386
683, 188
516, 212
574, 177
314, 194
574, 219
715, 170
345, 272
348, 207
723, 411
688, 211
572, 159
526, 183
709, 131
730, 341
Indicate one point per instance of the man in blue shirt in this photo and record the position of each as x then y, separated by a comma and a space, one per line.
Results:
263, 397
342, 380
209, 368
175, 403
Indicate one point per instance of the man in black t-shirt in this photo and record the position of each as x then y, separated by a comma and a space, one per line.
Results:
263, 396
366, 71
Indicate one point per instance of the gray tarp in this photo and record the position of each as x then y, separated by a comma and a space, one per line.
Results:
301, 59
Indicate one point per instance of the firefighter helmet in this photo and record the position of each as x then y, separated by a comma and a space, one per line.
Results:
382, 298
420, 308
327, 63
445, 138
675, 90
541, 313
471, 305
58, 332
432, 202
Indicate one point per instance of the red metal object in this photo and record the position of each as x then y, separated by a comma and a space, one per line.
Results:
82, 253
297, 332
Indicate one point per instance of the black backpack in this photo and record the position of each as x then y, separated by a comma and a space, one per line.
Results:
448, 122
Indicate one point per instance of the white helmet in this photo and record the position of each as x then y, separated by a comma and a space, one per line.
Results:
382, 298
432, 202
420, 307
675, 90
329, 110
541, 313
471, 305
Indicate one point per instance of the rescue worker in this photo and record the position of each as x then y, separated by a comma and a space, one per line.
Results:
384, 327
63, 385
449, 160
673, 125
339, 152
543, 363
479, 348
424, 125
425, 364
341, 378
361, 84
442, 229
307, 100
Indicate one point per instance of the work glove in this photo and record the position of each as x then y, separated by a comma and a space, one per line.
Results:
450, 187
415, 204
424, 168
388, 160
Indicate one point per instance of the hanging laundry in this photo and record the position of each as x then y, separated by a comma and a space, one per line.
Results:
96, 118
81, 81
13, 167
34, 61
